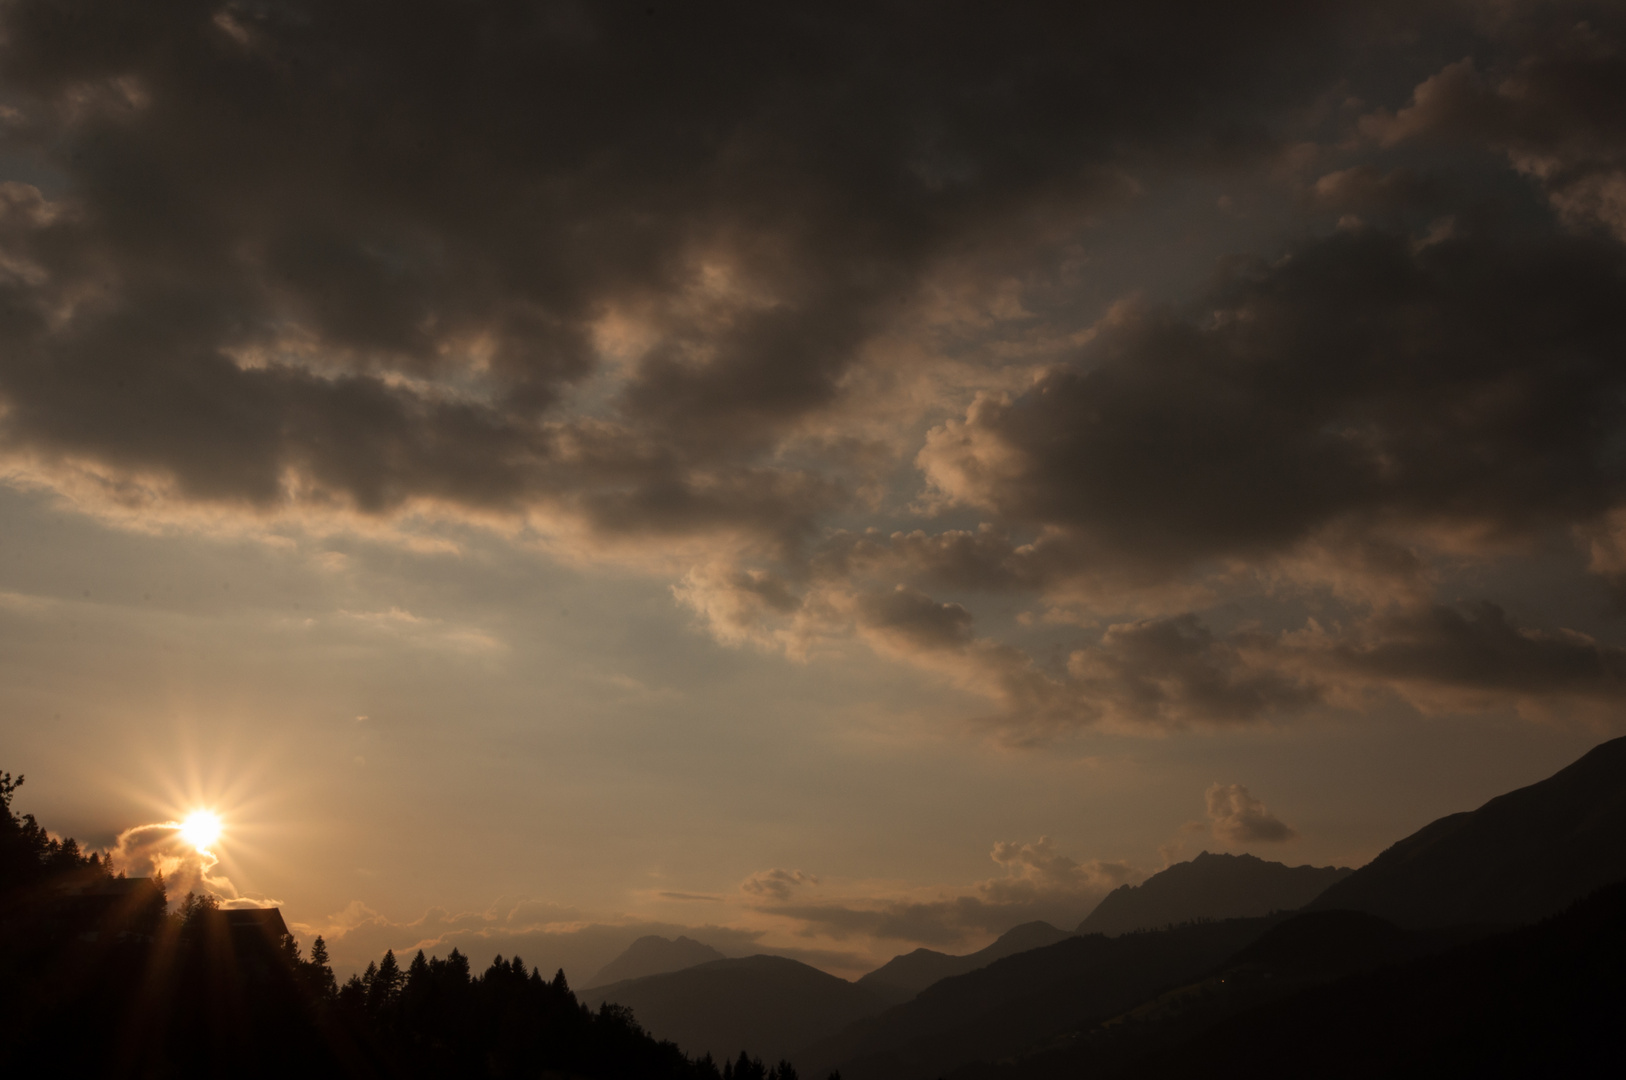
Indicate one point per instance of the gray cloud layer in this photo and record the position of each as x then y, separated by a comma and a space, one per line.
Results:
274, 223
636, 274
1039, 883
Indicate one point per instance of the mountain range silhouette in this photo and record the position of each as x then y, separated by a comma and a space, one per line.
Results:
684, 1005
1487, 943
1201, 945
773, 1005
1350, 986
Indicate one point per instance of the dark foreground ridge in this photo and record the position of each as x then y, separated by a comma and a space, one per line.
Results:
99, 978
1012, 1004
1545, 1000
1340, 995
1520, 857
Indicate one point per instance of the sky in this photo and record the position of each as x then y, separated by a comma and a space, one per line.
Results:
824, 479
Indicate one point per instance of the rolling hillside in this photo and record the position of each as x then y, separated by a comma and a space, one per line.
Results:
902, 977
768, 1005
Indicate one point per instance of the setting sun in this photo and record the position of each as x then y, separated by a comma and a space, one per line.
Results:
201, 829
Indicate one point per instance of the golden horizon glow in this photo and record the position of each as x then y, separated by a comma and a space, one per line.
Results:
201, 829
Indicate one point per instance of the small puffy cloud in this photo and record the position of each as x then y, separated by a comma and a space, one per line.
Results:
145, 850
914, 621
1238, 818
1036, 872
776, 884
937, 922
1038, 859
755, 606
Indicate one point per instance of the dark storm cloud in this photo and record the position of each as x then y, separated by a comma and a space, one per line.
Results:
1438, 657
1175, 670
608, 263
1170, 672
1479, 648
354, 251
1472, 382
1554, 109
1367, 189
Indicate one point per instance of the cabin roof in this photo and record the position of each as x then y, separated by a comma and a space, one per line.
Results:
265, 920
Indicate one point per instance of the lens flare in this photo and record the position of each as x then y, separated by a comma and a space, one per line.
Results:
201, 829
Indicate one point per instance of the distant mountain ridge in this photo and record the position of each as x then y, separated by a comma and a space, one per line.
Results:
654, 955
1210, 887
770, 1006
902, 977
1519, 858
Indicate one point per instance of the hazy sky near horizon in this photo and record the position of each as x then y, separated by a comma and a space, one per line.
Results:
826, 479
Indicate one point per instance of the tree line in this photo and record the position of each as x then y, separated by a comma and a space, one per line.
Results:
103, 974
